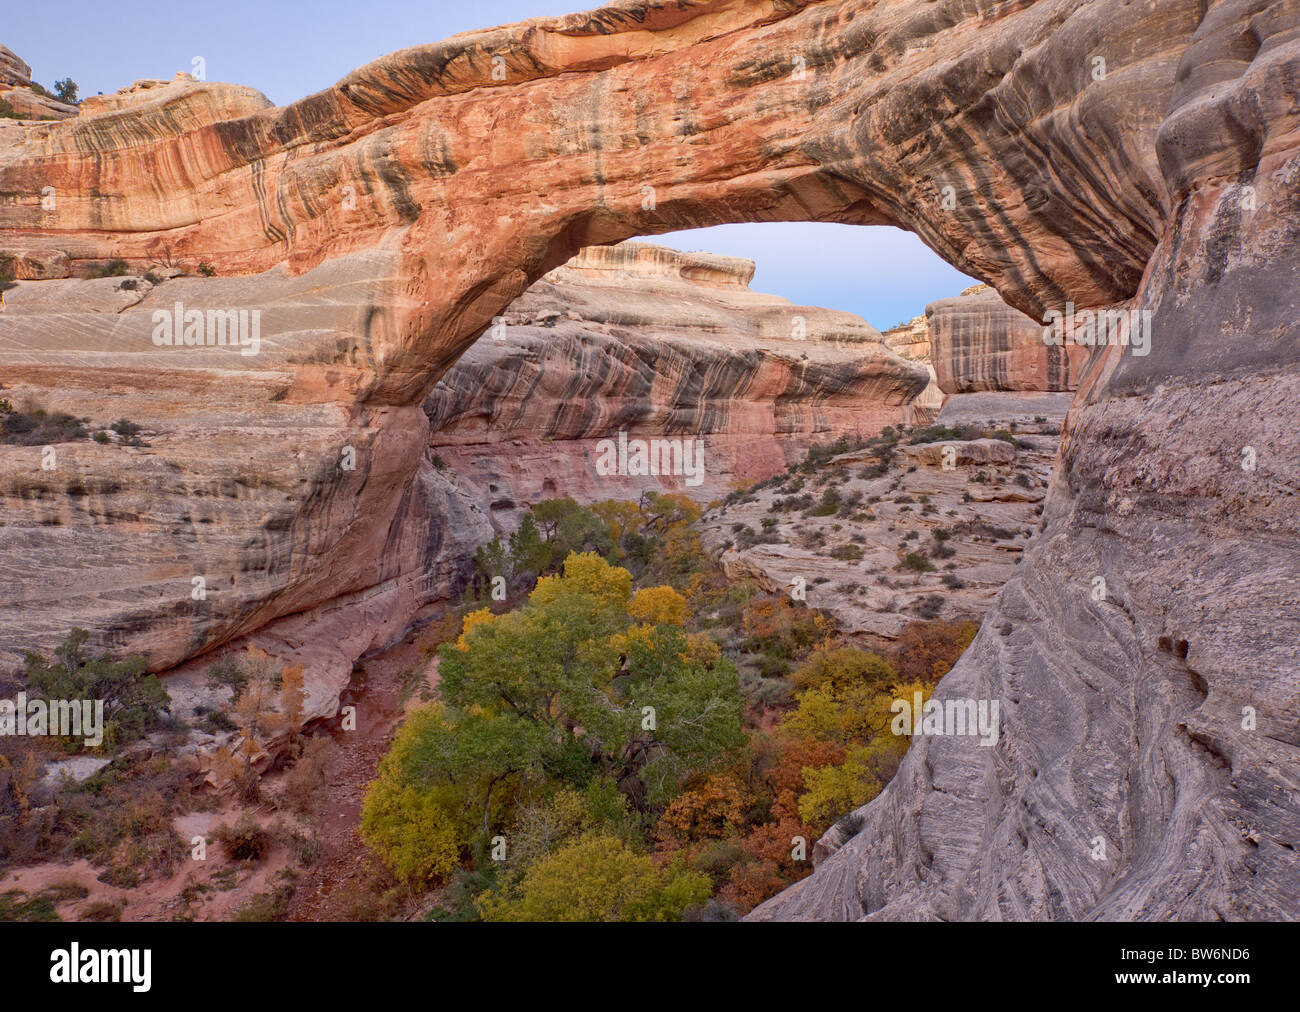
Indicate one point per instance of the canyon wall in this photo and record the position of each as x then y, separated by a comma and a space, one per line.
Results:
912, 341
977, 343
634, 338
1107, 154
654, 343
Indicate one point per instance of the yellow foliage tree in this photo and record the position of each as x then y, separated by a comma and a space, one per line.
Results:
598, 878
587, 576
658, 605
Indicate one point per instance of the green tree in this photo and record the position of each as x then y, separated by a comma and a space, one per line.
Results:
134, 702
529, 553
634, 702
567, 690
66, 90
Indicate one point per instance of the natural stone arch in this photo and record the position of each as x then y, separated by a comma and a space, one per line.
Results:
853, 112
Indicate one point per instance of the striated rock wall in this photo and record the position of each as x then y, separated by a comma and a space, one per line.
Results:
424, 194
912, 341
977, 343
1162, 715
634, 338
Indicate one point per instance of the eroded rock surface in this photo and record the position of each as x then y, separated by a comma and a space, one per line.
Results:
854, 561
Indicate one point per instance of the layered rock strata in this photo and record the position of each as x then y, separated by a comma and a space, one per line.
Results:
977, 342
655, 344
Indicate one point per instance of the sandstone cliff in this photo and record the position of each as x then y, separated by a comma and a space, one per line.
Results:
1105, 154
977, 342
16, 89
655, 343
635, 338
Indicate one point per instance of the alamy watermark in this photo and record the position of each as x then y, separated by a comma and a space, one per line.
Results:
644, 457
192, 328
1124, 327
949, 717
55, 718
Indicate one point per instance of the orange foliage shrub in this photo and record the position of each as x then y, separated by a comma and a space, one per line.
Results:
715, 810
926, 651
777, 623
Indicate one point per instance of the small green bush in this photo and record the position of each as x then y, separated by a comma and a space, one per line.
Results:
917, 563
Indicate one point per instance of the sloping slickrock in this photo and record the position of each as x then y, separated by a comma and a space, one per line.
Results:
959, 451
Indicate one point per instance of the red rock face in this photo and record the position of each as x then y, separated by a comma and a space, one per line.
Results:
424, 193
640, 122
979, 343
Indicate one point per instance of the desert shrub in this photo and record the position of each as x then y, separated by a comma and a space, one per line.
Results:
929, 607
828, 506
916, 562
926, 651
16, 905
819, 453
940, 433
307, 849
271, 905
102, 910
598, 878
305, 779
114, 268
122, 818
34, 426
246, 840
134, 703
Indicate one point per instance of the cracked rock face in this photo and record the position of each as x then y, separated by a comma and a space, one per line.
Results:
1167, 183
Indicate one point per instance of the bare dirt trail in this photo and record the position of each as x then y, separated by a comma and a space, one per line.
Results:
382, 694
